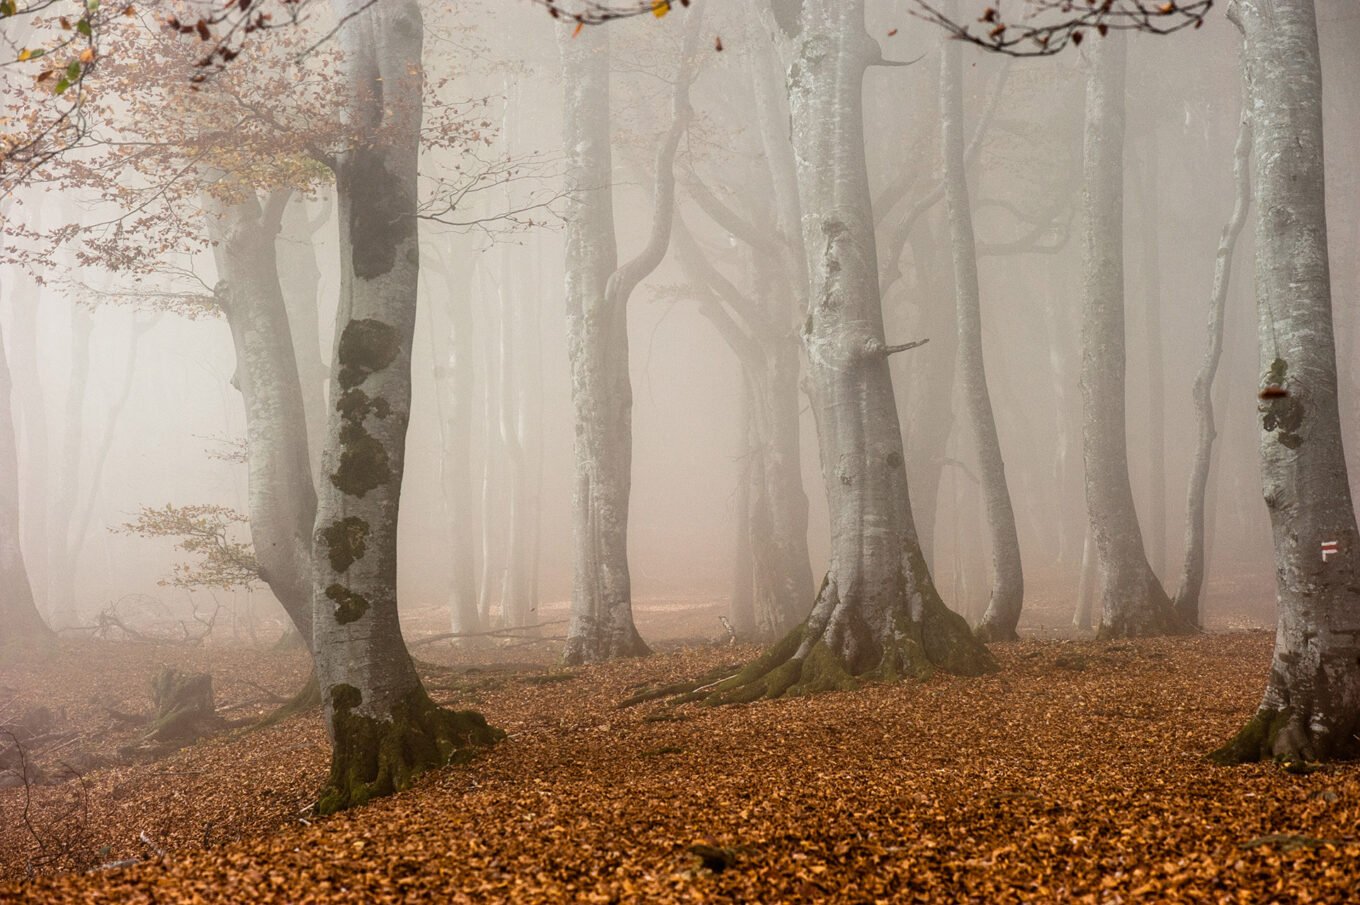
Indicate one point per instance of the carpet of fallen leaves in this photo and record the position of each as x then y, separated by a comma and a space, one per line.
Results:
1076, 773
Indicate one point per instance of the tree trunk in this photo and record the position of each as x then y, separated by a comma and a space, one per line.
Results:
743, 607
1086, 585
601, 624
23, 627
1152, 332
26, 299
1008, 584
1190, 590
878, 613
1133, 602
61, 523
454, 385
384, 727
282, 497
1311, 707
300, 278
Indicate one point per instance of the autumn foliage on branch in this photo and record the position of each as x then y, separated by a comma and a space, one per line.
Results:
1029, 28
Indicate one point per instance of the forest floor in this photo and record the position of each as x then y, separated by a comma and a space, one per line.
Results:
1076, 773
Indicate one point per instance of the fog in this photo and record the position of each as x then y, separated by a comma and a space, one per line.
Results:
143, 428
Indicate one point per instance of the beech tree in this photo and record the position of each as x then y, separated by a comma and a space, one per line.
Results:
878, 614
20, 625
598, 289
1311, 707
1003, 610
1133, 601
384, 728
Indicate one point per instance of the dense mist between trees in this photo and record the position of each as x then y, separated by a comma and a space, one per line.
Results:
164, 443
421, 356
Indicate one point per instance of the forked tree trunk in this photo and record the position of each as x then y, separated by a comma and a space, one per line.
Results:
601, 625
878, 613
1008, 583
384, 727
1133, 602
1190, 590
1311, 707
20, 625
282, 497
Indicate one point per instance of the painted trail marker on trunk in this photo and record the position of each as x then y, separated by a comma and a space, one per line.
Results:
1328, 548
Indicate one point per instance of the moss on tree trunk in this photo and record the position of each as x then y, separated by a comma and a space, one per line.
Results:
373, 757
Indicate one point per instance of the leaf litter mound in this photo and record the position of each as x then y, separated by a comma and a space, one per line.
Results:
1076, 773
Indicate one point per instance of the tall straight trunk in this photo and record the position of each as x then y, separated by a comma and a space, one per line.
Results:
26, 300
1311, 706
1152, 332
1008, 582
1133, 602
300, 276
932, 423
758, 331
515, 602
20, 625
597, 289
877, 613
282, 497
1086, 585
454, 378
61, 592
742, 608
384, 728
1190, 590
70, 542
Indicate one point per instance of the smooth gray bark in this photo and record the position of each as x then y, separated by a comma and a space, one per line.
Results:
597, 291
1311, 706
1008, 584
384, 728
1190, 589
1133, 602
300, 277
878, 613
1152, 334
282, 499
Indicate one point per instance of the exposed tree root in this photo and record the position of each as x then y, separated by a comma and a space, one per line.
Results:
1286, 737
373, 757
1152, 616
307, 699
991, 632
808, 661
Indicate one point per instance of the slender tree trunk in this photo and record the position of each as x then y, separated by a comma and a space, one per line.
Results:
23, 627
601, 624
282, 497
743, 609
300, 278
26, 299
1152, 331
1190, 590
878, 613
1311, 706
384, 727
1133, 602
1008, 583
454, 380
61, 588
1087, 582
